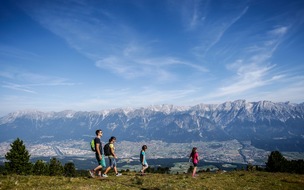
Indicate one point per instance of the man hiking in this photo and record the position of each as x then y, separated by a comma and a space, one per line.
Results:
98, 154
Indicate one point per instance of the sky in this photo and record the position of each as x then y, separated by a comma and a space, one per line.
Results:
93, 55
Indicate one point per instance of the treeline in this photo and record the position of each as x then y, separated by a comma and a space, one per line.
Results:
278, 163
19, 163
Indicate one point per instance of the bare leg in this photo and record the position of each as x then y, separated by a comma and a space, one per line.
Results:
115, 170
194, 172
107, 170
98, 168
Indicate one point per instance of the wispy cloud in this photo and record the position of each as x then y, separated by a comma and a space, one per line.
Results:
18, 87
248, 76
224, 27
256, 69
211, 30
139, 60
9, 51
27, 81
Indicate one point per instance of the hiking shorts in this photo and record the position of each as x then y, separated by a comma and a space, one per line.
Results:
194, 164
145, 164
112, 162
98, 159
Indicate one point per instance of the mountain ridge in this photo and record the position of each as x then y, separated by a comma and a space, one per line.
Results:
266, 124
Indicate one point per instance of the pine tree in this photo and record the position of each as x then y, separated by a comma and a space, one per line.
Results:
55, 167
276, 162
18, 158
40, 168
69, 169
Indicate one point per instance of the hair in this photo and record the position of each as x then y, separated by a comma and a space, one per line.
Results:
112, 138
144, 147
193, 151
97, 131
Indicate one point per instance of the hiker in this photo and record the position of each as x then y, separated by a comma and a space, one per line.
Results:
110, 152
98, 154
143, 160
195, 160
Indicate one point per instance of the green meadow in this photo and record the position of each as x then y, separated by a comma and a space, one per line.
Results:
131, 180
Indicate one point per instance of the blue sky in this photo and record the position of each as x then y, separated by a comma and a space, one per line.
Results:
93, 55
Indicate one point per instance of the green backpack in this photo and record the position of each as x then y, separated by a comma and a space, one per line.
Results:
92, 144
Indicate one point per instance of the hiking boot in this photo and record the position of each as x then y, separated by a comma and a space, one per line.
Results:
104, 175
118, 174
92, 173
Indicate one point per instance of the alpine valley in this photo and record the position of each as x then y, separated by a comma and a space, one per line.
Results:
267, 125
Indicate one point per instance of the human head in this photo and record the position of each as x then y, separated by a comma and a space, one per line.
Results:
144, 147
112, 138
98, 131
194, 149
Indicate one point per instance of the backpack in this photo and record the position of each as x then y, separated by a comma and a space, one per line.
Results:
92, 144
107, 150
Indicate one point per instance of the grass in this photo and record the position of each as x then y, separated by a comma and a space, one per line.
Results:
229, 180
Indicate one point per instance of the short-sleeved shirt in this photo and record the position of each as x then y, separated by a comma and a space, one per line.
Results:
97, 141
143, 156
195, 158
111, 145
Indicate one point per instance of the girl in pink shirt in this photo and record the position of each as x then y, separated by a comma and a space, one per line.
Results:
195, 160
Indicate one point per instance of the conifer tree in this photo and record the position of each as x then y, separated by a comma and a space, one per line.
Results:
40, 168
55, 167
69, 169
18, 158
276, 162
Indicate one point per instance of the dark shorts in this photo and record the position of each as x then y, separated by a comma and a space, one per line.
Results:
194, 164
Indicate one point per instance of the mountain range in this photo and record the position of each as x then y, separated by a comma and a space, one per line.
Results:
268, 125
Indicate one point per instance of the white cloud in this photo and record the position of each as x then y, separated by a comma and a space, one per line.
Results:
25, 81
18, 87
279, 31
248, 77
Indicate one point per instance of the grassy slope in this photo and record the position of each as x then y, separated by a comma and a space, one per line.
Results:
229, 180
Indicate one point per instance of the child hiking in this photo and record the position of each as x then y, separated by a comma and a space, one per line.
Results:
195, 160
98, 154
109, 150
143, 160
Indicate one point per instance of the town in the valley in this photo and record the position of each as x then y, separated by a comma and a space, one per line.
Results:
226, 152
